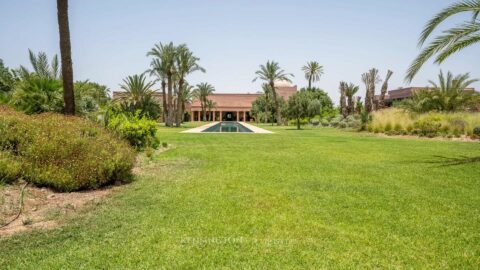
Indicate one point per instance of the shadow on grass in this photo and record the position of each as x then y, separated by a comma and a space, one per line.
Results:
451, 161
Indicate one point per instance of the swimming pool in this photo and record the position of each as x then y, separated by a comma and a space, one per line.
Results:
227, 126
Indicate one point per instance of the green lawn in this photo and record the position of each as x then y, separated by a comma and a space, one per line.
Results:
314, 199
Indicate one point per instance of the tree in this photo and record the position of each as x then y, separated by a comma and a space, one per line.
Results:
267, 92
343, 103
350, 90
201, 93
381, 100
7, 82
159, 70
313, 70
186, 63
302, 104
450, 94
451, 40
210, 105
138, 96
271, 72
90, 96
167, 55
370, 79
186, 96
66, 55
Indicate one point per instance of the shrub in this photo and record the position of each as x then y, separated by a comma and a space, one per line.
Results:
388, 127
334, 122
476, 131
10, 169
343, 124
428, 126
314, 122
65, 153
324, 122
140, 132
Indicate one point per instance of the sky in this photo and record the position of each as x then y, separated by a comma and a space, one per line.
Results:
110, 38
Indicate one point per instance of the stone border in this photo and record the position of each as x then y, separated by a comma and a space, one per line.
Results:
253, 128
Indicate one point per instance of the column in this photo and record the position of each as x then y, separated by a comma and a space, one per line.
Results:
214, 114
238, 114
199, 113
221, 116
244, 116
191, 116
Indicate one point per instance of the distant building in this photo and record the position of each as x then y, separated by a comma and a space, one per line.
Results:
404, 93
229, 106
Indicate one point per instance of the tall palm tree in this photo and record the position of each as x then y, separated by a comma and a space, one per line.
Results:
451, 40
370, 79
267, 92
350, 90
186, 96
201, 93
166, 53
158, 69
210, 105
137, 90
66, 55
343, 104
186, 63
271, 72
383, 91
313, 70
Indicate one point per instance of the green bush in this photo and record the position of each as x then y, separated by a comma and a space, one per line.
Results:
388, 127
428, 126
476, 131
140, 132
10, 168
65, 153
324, 122
293, 122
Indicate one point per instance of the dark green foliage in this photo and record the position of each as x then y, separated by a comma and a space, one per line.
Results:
476, 131
428, 126
449, 95
7, 79
301, 105
37, 94
138, 130
90, 96
65, 153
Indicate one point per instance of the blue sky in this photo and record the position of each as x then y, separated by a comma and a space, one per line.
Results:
110, 38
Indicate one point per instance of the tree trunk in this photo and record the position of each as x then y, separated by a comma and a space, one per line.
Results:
381, 101
357, 106
298, 123
66, 56
169, 101
277, 106
310, 82
178, 118
164, 101
350, 105
266, 108
343, 105
204, 110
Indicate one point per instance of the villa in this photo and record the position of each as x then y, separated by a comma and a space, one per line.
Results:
404, 93
229, 106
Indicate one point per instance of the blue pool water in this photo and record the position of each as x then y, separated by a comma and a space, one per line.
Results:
227, 126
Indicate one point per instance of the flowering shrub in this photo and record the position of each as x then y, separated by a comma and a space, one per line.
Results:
62, 152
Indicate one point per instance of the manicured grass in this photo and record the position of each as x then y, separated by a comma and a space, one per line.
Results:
314, 199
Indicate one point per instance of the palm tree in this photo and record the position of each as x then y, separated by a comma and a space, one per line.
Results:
186, 63
267, 93
210, 105
451, 40
343, 104
381, 100
449, 94
370, 79
166, 55
271, 72
201, 93
350, 90
186, 96
66, 54
137, 90
158, 69
313, 70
